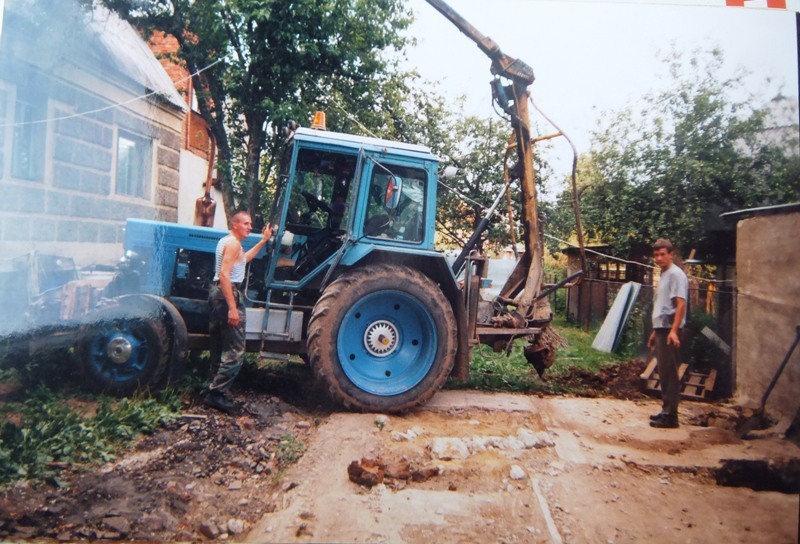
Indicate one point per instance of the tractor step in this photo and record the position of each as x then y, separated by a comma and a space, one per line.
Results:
274, 356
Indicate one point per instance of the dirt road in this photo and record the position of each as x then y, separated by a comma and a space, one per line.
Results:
604, 475
469, 467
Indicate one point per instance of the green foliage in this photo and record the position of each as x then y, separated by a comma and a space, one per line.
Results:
44, 432
290, 450
633, 339
689, 153
702, 353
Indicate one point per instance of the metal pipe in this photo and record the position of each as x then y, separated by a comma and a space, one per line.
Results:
458, 264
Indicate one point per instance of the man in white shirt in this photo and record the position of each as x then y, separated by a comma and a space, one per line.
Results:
669, 317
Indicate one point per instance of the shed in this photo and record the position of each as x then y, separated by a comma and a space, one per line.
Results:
767, 313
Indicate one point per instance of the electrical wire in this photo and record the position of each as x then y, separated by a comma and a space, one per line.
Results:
110, 107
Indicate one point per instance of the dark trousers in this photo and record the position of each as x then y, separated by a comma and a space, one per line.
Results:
227, 341
667, 356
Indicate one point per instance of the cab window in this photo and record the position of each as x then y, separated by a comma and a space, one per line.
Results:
395, 209
320, 190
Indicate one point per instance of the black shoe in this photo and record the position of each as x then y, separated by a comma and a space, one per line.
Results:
665, 422
220, 401
656, 416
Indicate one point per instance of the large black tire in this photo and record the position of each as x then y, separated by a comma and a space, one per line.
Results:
126, 348
382, 338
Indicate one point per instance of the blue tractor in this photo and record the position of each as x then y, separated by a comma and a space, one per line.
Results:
351, 281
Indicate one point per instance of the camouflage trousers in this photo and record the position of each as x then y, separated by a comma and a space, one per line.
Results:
227, 341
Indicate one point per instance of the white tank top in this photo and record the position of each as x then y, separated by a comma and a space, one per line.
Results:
237, 272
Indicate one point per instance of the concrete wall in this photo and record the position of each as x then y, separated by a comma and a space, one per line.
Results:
768, 310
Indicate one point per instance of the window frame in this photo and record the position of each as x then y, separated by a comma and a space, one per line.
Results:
147, 184
40, 130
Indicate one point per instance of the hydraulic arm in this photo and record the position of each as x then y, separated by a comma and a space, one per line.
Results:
513, 99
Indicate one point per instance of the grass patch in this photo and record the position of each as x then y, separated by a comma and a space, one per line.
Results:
496, 372
45, 433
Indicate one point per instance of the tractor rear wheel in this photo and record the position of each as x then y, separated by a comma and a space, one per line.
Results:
382, 338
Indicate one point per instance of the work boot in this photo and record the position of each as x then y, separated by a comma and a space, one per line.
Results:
657, 416
665, 421
220, 401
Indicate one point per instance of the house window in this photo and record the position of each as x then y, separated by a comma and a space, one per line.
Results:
133, 164
28, 149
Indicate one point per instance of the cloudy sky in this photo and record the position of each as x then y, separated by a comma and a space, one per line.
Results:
591, 55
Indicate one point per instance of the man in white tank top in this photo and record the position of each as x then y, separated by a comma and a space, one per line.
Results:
227, 310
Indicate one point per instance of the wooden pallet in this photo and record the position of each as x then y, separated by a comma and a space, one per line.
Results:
698, 386
694, 385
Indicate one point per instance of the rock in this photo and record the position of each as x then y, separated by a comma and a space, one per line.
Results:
407, 436
535, 440
398, 469
303, 425
423, 474
185, 536
516, 473
512, 443
448, 448
367, 472
381, 421
303, 530
209, 529
155, 522
118, 524
25, 531
235, 485
235, 526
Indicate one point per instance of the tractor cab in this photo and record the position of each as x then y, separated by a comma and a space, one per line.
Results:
340, 197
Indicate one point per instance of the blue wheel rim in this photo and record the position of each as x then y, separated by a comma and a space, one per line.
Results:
387, 343
118, 353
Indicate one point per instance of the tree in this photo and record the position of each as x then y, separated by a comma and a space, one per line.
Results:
278, 59
689, 153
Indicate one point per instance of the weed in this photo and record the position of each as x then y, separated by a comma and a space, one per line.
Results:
43, 433
289, 450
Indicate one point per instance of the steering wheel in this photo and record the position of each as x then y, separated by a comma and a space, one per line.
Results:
316, 204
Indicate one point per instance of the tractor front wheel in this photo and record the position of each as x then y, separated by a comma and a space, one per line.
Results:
382, 338
126, 347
